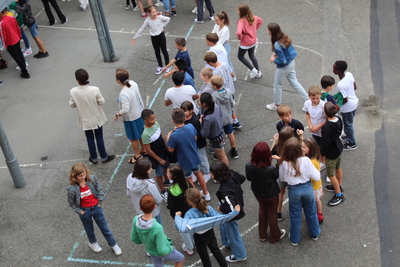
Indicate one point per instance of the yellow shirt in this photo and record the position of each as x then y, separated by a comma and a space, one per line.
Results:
316, 184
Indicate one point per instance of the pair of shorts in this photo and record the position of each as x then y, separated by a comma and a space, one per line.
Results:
217, 142
318, 194
134, 129
318, 139
228, 129
33, 30
174, 256
332, 165
188, 173
160, 169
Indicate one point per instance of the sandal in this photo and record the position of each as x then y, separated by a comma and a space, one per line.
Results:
144, 154
130, 161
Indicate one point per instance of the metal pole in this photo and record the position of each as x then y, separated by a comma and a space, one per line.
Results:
100, 31
107, 32
11, 161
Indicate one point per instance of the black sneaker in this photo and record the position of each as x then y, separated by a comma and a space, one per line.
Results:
25, 75
234, 153
347, 146
343, 138
173, 12
280, 216
214, 157
330, 188
336, 200
93, 162
232, 258
236, 125
41, 55
109, 158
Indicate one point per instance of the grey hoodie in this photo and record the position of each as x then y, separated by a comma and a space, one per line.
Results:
223, 98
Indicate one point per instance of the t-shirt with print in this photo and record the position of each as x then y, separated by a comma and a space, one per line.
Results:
316, 113
185, 56
346, 87
153, 136
87, 198
184, 142
178, 95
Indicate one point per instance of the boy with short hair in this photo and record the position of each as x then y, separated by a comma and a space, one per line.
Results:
212, 42
347, 86
181, 65
331, 148
285, 114
315, 116
223, 70
223, 98
179, 93
153, 142
327, 83
147, 231
180, 44
183, 141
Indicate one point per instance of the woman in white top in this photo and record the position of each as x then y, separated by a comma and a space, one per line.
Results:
156, 23
297, 170
131, 106
222, 30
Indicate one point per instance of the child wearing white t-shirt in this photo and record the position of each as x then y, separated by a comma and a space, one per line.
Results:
314, 109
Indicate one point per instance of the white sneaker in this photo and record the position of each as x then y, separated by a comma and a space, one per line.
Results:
26, 64
328, 180
207, 177
198, 21
168, 70
322, 166
283, 234
271, 106
194, 11
117, 250
136, 8
186, 250
253, 73
27, 52
158, 3
212, 18
95, 247
206, 197
259, 74
127, 7
159, 70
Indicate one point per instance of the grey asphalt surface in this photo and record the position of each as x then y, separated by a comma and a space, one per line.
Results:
37, 227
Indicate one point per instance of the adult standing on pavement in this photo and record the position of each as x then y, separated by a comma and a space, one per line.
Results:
85, 196
283, 56
10, 34
52, 21
87, 99
131, 106
246, 32
24, 7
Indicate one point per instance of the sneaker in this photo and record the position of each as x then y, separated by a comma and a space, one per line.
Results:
294, 244
336, 200
322, 166
236, 125
136, 8
212, 18
211, 151
280, 216
186, 250
214, 157
283, 234
194, 10
330, 188
271, 106
55, 21
66, 20
215, 181
328, 180
234, 153
232, 258
164, 195
25, 75
109, 158
158, 3
147, 254
198, 21
259, 74
117, 250
26, 64
1, 82
343, 138
207, 177
92, 161
144, 15
83, 9
41, 55
95, 247
168, 70
174, 13
314, 238
127, 7
159, 70
206, 197
253, 73
347, 146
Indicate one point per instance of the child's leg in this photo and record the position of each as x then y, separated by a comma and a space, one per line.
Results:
253, 58
156, 46
272, 217
200, 179
220, 153
348, 127
242, 59
205, 165
190, 181
262, 218
187, 239
135, 146
213, 246
201, 241
159, 179
142, 150
339, 175
163, 47
232, 140
281, 197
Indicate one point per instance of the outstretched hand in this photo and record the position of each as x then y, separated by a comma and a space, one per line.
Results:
133, 41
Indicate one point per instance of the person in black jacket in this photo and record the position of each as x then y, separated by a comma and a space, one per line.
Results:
229, 195
265, 188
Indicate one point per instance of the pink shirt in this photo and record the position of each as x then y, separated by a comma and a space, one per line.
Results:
247, 34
